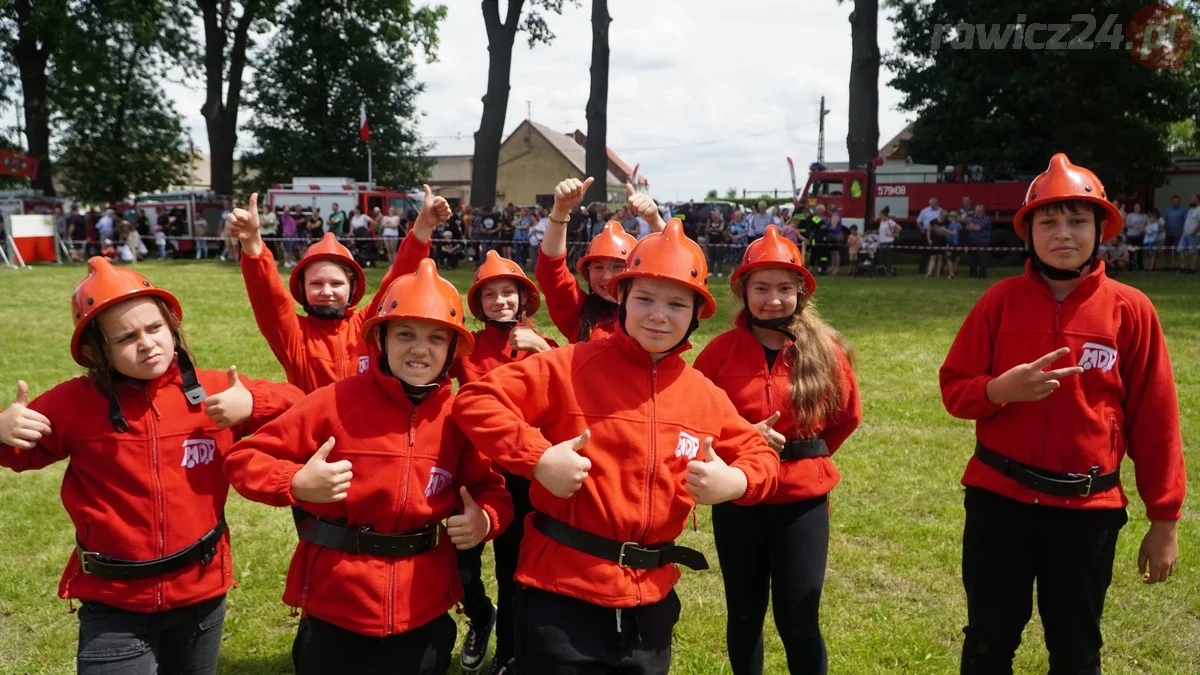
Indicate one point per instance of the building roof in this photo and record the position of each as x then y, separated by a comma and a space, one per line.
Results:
897, 148
567, 146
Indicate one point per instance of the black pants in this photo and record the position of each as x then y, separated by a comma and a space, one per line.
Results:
321, 648
779, 549
561, 635
475, 603
507, 548
1006, 546
181, 641
979, 263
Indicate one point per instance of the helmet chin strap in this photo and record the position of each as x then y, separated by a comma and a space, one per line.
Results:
1058, 274
327, 313
779, 324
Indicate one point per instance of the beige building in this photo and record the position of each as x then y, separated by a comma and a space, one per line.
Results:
533, 159
451, 178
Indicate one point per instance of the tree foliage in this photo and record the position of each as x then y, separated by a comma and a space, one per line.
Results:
1014, 107
328, 58
117, 134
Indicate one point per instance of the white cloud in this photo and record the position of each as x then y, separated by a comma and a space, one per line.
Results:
704, 94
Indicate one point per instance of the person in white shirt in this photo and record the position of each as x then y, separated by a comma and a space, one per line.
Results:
391, 233
929, 214
888, 231
1152, 235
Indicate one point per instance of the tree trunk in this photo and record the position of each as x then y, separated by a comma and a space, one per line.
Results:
220, 115
32, 54
597, 106
862, 141
486, 161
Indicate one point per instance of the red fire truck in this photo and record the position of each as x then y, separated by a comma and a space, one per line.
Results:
323, 192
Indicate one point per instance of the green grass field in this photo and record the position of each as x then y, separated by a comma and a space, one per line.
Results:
893, 597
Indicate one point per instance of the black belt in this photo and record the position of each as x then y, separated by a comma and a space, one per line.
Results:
629, 554
1049, 482
106, 567
803, 448
335, 535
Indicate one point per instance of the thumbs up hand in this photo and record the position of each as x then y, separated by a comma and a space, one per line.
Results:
469, 528
21, 427
643, 205
232, 406
243, 225
524, 338
434, 210
562, 470
772, 437
710, 480
322, 482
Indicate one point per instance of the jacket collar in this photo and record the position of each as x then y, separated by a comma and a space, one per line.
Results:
394, 388
636, 354
1088, 285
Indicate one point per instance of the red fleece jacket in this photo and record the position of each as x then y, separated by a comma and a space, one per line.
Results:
1124, 402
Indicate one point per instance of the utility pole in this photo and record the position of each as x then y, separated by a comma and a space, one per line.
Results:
821, 132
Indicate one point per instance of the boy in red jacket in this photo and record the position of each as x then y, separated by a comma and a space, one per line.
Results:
375, 460
785, 367
324, 345
622, 439
143, 484
1044, 498
587, 316
503, 298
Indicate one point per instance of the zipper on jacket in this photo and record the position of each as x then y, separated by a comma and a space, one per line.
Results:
412, 423
158, 494
637, 588
1041, 460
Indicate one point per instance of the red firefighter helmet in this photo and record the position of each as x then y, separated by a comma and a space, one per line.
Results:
612, 242
496, 267
105, 286
773, 250
423, 296
329, 249
671, 256
1063, 181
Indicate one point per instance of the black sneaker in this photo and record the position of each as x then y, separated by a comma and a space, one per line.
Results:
505, 668
475, 646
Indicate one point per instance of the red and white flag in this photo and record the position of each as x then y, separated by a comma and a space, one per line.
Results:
364, 131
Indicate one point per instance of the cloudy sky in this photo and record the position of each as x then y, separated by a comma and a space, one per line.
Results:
702, 96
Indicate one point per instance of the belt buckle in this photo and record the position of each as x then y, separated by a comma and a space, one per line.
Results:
437, 534
83, 559
622, 552
1090, 476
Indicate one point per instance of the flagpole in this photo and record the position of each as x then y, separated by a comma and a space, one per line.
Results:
370, 175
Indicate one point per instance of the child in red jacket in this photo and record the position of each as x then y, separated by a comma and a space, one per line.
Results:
143, 484
503, 298
1044, 498
587, 316
325, 344
784, 366
377, 463
622, 438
